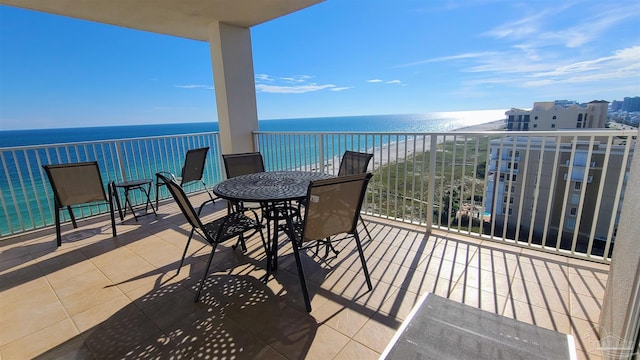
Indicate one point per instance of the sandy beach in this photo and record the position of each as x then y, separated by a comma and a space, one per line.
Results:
399, 150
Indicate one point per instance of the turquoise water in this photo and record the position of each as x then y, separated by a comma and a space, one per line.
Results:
24, 207
430, 122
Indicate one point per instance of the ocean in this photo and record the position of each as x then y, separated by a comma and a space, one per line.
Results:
407, 123
25, 200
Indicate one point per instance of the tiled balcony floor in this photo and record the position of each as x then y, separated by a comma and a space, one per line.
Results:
102, 297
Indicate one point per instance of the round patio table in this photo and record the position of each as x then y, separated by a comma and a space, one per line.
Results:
274, 190
269, 187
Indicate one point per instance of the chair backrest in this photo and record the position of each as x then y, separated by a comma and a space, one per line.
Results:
242, 164
76, 183
194, 165
354, 163
333, 206
183, 202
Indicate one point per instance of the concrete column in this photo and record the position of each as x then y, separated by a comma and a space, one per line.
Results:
621, 307
234, 82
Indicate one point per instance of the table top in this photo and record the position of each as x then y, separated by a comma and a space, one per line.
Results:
133, 183
440, 328
268, 186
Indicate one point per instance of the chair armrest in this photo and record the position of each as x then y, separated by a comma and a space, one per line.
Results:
166, 174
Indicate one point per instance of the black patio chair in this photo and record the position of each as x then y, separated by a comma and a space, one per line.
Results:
77, 184
333, 206
234, 224
192, 172
243, 164
353, 162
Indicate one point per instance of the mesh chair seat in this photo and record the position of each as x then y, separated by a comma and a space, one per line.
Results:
243, 164
235, 224
78, 184
228, 227
192, 171
332, 208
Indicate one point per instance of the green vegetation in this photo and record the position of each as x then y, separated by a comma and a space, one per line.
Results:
399, 189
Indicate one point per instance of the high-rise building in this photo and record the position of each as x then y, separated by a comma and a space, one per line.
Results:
559, 114
573, 181
631, 104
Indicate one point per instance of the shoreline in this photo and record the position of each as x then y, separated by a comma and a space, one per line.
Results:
390, 151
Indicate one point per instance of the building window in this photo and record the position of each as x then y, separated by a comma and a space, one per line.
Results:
571, 224
573, 211
554, 117
535, 117
575, 199
535, 126
579, 125
577, 186
553, 125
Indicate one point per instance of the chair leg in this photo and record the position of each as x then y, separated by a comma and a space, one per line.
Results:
365, 228
184, 253
362, 259
158, 184
113, 215
303, 282
58, 231
206, 272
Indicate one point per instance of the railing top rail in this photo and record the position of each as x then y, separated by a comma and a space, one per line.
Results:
86, 142
574, 132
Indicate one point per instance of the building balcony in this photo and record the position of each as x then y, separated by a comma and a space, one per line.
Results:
100, 297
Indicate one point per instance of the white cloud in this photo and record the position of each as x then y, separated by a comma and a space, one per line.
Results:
621, 64
299, 89
295, 84
447, 58
195, 86
263, 77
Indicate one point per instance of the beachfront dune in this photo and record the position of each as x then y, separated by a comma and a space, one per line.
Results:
399, 150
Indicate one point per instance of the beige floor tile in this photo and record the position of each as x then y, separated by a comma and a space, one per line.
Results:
481, 299
89, 297
326, 344
377, 332
585, 335
399, 305
99, 313
355, 350
34, 311
41, 342
585, 308
81, 282
16, 275
149, 311
583, 284
344, 317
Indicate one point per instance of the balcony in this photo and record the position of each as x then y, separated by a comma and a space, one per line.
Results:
103, 297
98, 296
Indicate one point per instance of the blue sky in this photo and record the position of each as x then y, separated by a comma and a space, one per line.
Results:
340, 57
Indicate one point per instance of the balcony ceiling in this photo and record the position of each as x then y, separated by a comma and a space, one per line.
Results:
182, 18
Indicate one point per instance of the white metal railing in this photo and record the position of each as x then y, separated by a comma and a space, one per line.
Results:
503, 186
26, 201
